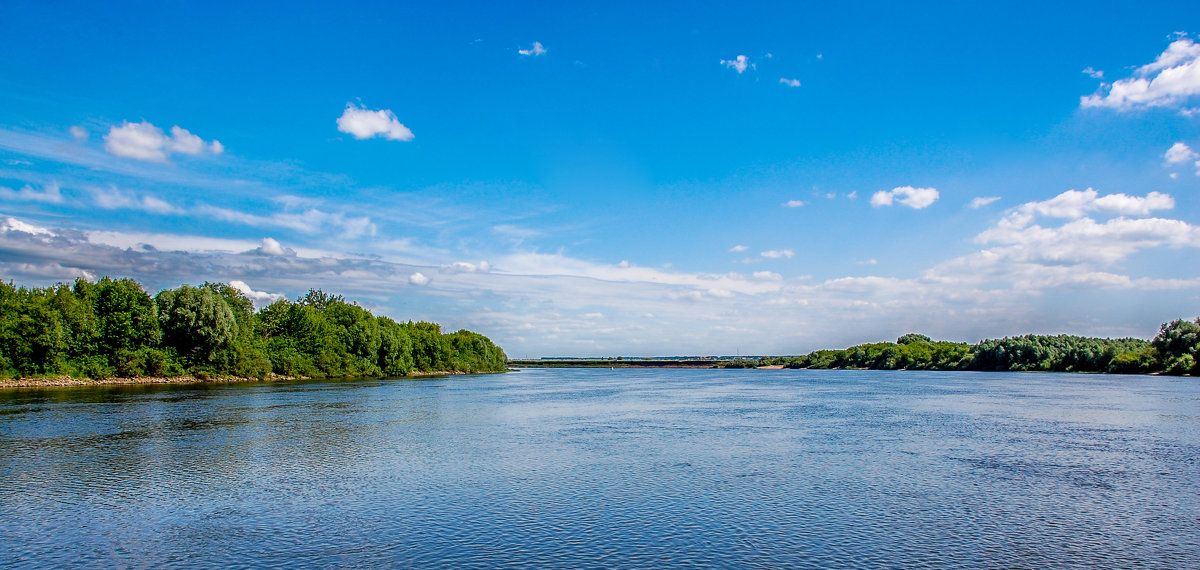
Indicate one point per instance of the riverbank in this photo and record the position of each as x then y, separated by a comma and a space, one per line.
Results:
67, 381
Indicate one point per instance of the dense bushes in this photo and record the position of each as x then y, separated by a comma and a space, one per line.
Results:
1176, 350
114, 328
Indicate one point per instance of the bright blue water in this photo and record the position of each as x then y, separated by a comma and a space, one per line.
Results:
600, 468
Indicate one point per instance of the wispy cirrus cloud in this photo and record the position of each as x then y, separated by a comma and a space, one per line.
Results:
535, 50
49, 194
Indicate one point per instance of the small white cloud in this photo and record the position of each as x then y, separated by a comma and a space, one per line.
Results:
1175, 175
593, 316
1093, 73
80, 133
778, 254
739, 248
789, 82
1172, 79
418, 279
260, 298
794, 203
1076, 204
740, 63
820, 56
768, 275
915, 198
363, 123
49, 194
853, 195
144, 141
871, 261
217, 147
981, 201
537, 49
1179, 153
272, 247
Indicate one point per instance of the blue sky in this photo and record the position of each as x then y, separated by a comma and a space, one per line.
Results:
615, 178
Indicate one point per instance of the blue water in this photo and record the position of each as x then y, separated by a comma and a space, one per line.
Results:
600, 468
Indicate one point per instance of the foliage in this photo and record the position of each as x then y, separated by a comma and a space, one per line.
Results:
114, 328
1175, 350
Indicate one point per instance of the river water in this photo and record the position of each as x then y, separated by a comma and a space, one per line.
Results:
595, 468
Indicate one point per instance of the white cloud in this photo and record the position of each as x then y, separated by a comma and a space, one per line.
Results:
1076, 204
144, 141
739, 248
363, 123
1179, 152
79, 133
270, 246
767, 275
1171, 80
871, 261
794, 203
915, 198
778, 254
537, 49
260, 298
114, 198
11, 224
789, 82
853, 195
1093, 73
310, 221
466, 267
418, 279
740, 64
49, 194
981, 201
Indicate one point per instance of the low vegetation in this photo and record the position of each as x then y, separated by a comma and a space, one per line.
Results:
1175, 350
114, 328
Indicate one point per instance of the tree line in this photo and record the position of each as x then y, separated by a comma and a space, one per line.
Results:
114, 328
1175, 350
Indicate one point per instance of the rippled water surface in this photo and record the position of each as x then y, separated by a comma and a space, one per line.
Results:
600, 468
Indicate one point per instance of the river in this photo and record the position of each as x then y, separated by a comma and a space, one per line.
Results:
591, 468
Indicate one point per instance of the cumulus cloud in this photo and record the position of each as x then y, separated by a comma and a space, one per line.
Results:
789, 82
79, 133
113, 198
915, 198
270, 246
536, 49
794, 203
260, 298
1170, 80
1093, 73
1076, 204
49, 194
418, 279
778, 254
1178, 153
739, 248
363, 123
981, 201
144, 141
739, 64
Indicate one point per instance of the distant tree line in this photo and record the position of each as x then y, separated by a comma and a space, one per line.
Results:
113, 327
1175, 350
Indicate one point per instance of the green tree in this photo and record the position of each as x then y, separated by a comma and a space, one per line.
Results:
196, 322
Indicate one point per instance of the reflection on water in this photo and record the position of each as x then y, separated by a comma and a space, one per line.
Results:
593, 468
